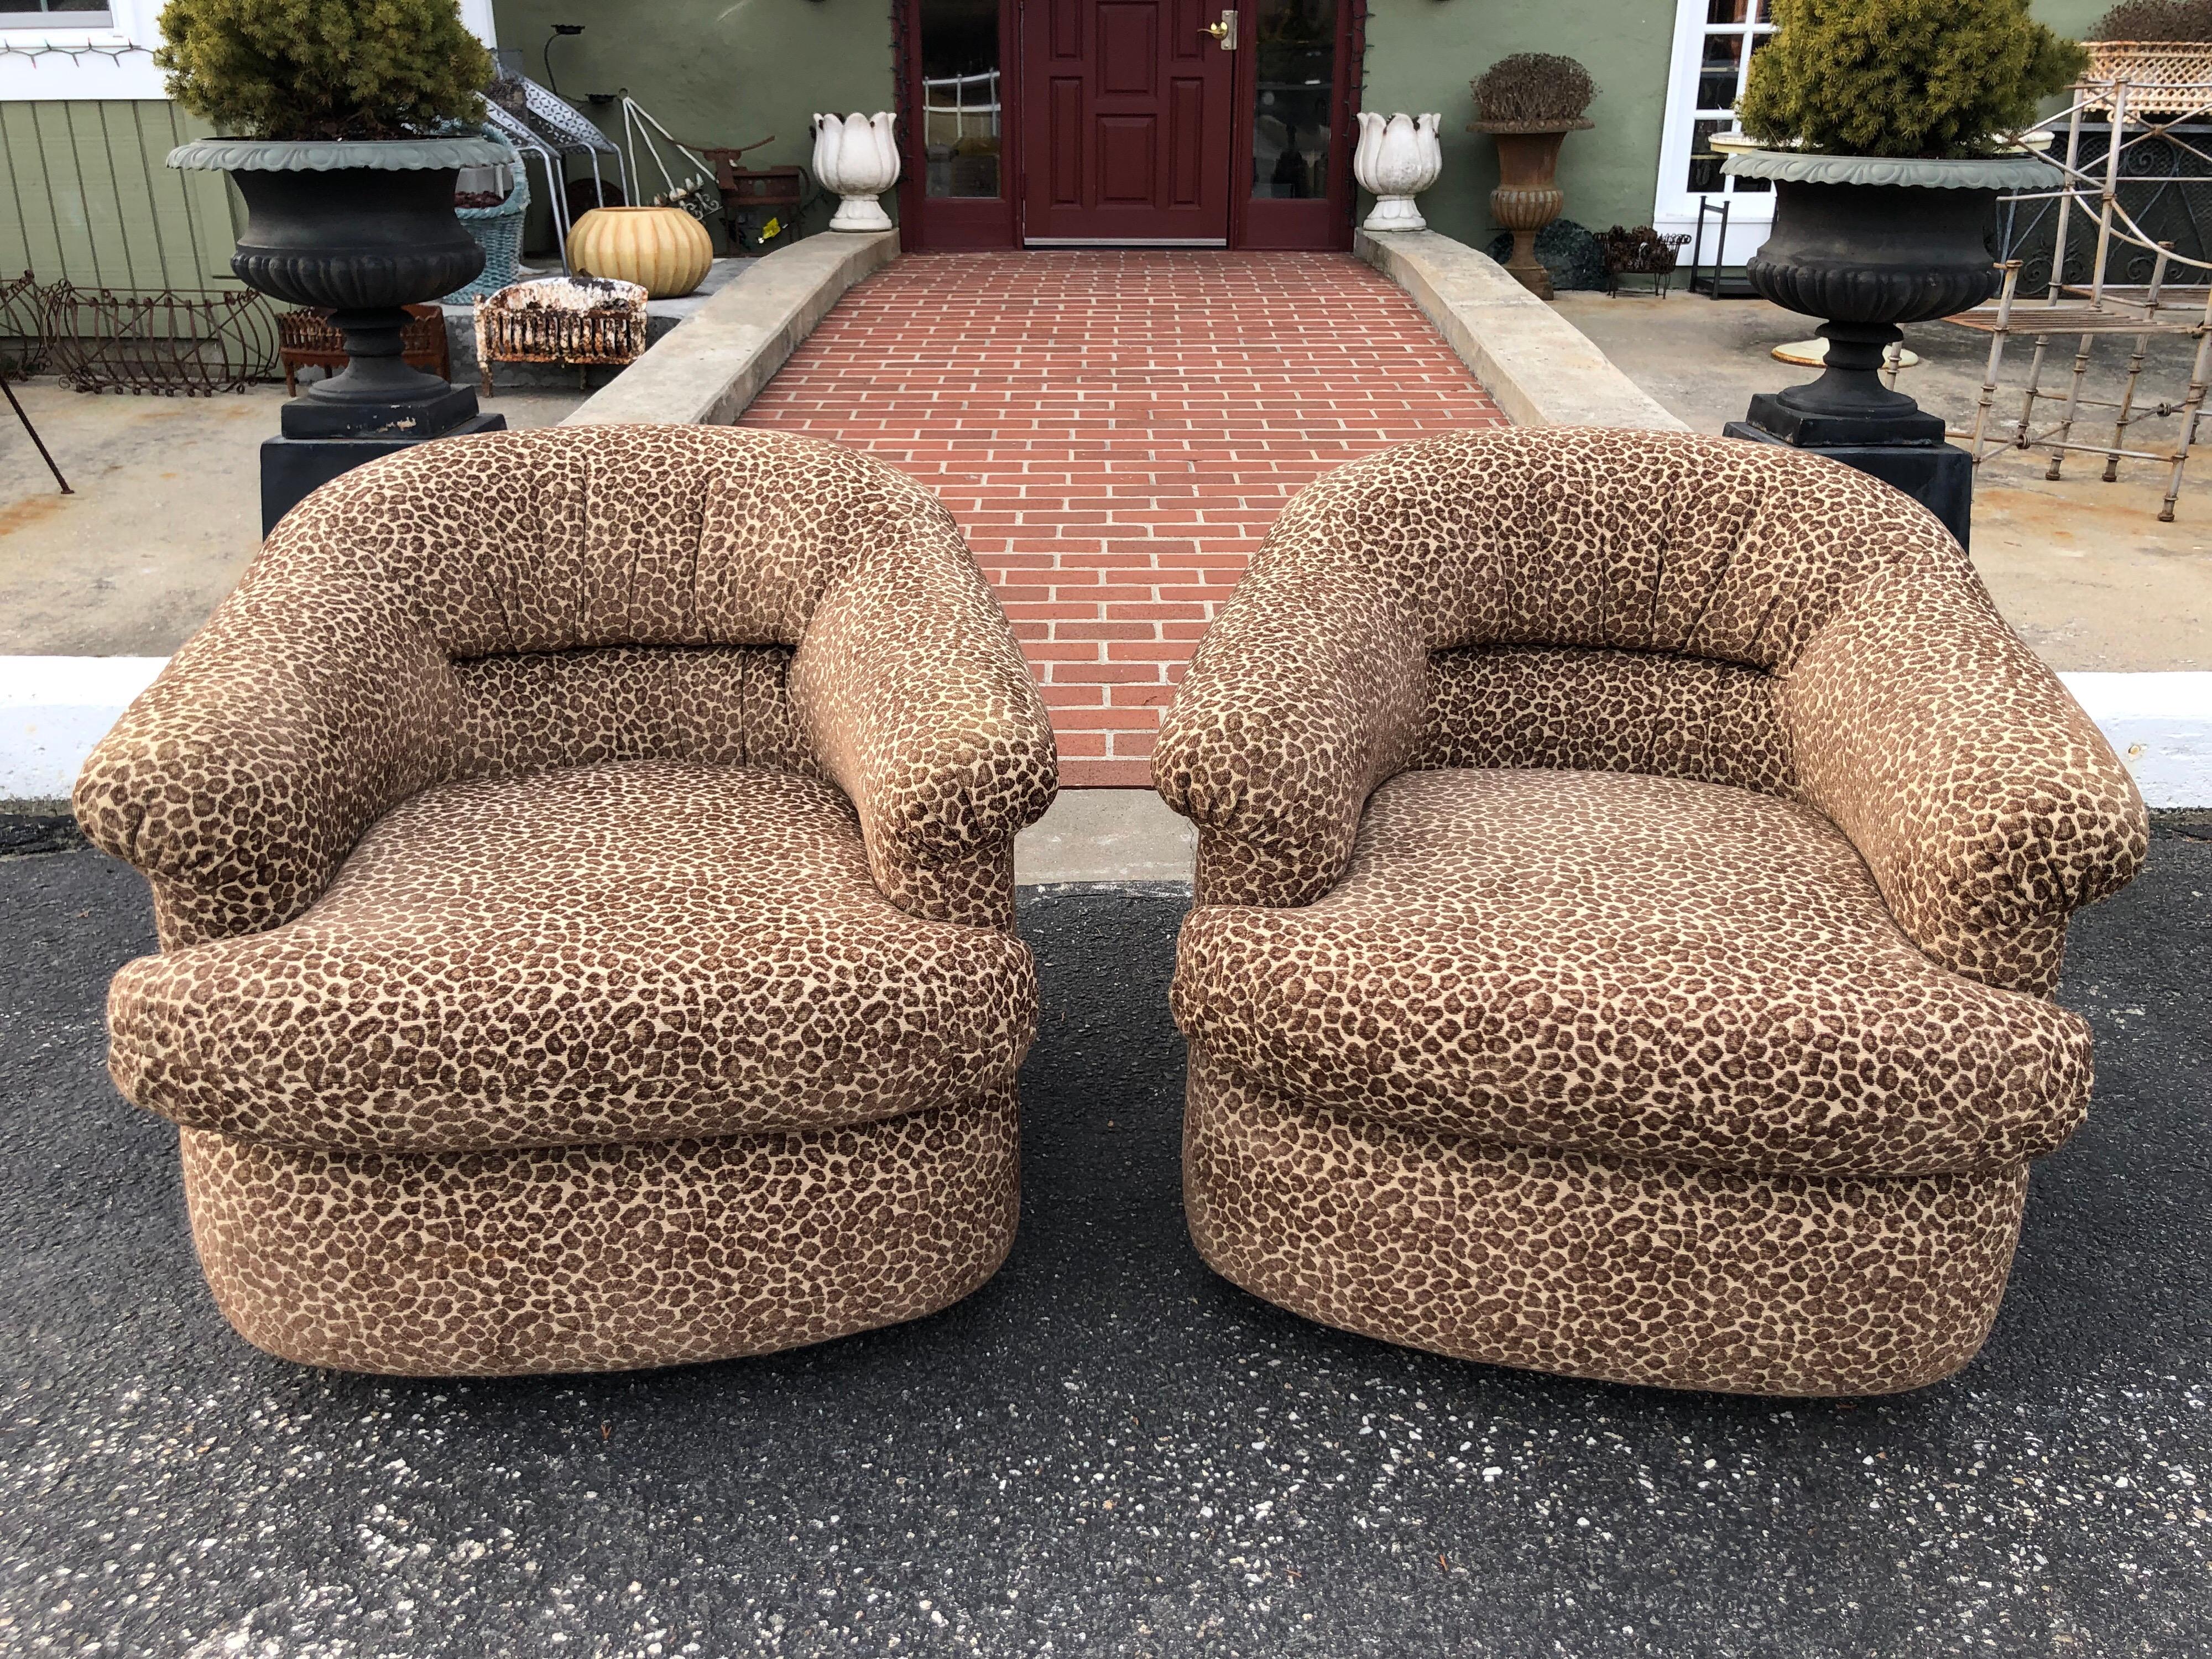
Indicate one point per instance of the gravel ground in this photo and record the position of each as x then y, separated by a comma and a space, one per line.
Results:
1106, 1450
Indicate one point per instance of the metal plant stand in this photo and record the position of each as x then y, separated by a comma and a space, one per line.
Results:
2144, 141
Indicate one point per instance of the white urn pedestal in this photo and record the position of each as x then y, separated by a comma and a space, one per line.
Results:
856, 157
1398, 157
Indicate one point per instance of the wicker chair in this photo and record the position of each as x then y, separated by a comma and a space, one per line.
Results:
1632, 872
582, 861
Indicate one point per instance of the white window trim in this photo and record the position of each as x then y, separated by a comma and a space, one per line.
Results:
133, 26
1675, 210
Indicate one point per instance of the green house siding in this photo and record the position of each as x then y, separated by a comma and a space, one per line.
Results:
88, 198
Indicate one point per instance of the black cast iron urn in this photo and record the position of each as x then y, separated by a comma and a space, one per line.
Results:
363, 229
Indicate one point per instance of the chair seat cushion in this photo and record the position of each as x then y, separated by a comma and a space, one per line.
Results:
632, 951
1638, 966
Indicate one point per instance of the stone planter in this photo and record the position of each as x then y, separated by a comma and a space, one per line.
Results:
856, 156
1397, 158
365, 229
1871, 243
1527, 196
664, 250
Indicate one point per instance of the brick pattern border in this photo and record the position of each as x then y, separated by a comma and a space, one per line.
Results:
1116, 431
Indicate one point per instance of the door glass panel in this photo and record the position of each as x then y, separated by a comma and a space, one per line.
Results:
960, 82
1734, 32
1296, 73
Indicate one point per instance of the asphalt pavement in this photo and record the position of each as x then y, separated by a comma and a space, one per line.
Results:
1106, 1450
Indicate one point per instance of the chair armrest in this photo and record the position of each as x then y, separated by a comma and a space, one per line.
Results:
239, 781
910, 687
1308, 691
1985, 800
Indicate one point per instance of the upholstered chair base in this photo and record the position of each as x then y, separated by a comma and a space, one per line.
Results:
1595, 1266
603, 1258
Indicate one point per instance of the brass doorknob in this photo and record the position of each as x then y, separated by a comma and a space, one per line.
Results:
1225, 30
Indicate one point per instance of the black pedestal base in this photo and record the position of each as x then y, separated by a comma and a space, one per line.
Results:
445, 411
292, 468
1780, 416
1940, 477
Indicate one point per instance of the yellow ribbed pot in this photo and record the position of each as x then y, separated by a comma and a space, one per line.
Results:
664, 250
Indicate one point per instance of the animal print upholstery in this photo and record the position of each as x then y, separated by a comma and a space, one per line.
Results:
583, 861
1631, 871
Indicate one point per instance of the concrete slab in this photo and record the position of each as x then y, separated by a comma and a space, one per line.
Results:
1106, 835
167, 510
1107, 1451
2083, 568
1541, 369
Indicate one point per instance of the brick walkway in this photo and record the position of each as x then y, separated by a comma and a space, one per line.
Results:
1116, 432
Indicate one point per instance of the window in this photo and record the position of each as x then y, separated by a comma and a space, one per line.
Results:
1733, 31
960, 96
1297, 75
55, 13
1715, 41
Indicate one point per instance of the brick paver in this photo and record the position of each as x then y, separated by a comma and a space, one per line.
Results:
1116, 432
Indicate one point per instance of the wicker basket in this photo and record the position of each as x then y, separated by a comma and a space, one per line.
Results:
2163, 78
498, 231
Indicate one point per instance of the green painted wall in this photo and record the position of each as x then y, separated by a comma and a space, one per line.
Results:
716, 72
87, 197
1422, 53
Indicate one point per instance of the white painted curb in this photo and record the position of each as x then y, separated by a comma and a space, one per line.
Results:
53, 709
2161, 724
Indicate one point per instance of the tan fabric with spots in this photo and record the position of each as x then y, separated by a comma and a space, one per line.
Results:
600, 814
1662, 830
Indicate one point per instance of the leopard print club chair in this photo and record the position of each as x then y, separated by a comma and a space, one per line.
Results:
583, 866
1633, 870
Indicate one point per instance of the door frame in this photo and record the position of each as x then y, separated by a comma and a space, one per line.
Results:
954, 224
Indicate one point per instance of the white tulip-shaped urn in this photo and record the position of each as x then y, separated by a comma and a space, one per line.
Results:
856, 156
1399, 156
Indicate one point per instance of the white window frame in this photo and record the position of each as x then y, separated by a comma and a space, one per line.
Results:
1675, 209
113, 56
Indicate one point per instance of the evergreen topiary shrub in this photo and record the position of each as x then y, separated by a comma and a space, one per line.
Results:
323, 69
1936, 78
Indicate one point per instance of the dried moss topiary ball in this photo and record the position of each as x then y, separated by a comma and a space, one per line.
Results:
1532, 87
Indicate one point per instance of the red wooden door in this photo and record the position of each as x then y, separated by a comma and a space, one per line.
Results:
1125, 110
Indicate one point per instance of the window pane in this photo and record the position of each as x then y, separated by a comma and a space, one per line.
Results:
1296, 71
1724, 52
959, 95
1705, 173
1727, 11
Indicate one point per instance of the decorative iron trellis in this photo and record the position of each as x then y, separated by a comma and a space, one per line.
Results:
22, 328
2164, 183
194, 344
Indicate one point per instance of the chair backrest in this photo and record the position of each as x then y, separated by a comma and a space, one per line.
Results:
1632, 541
612, 592
1609, 600
565, 538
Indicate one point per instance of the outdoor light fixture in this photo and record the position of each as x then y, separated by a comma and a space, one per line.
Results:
559, 30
